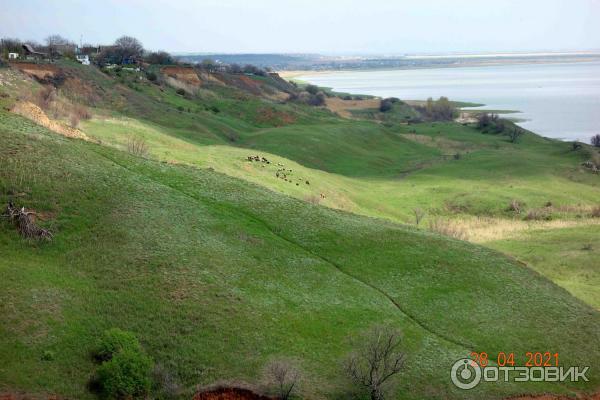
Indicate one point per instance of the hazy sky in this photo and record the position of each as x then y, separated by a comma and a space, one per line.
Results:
314, 26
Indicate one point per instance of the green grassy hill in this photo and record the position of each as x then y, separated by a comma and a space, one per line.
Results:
213, 285
216, 274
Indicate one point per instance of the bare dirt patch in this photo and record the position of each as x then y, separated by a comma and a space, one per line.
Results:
30, 111
250, 85
343, 107
225, 393
27, 396
40, 71
186, 75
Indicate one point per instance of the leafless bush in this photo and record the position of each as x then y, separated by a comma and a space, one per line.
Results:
82, 112
515, 206
281, 376
137, 146
448, 228
166, 384
595, 212
45, 97
538, 215
377, 359
419, 215
74, 121
24, 223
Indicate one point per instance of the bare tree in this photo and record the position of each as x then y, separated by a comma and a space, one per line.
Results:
377, 360
282, 377
419, 214
514, 134
595, 140
137, 146
54, 43
129, 48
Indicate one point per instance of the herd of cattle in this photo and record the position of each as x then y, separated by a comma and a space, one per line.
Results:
281, 172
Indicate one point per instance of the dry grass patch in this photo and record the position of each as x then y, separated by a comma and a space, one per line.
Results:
343, 107
488, 229
449, 228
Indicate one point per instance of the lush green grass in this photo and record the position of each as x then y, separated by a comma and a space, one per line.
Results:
568, 256
215, 275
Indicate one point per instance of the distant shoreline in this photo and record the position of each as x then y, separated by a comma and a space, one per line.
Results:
500, 61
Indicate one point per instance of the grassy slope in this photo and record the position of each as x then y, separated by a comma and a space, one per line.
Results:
568, 256
213, 285
362, 167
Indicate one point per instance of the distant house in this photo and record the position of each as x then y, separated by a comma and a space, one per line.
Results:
30, 52
13, 56
83, 58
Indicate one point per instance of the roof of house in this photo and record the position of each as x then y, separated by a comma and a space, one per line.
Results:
29, 49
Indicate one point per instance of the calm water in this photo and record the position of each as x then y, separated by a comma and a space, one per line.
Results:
555, 100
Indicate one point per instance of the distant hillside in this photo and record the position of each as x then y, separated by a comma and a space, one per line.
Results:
281, 62
275, 61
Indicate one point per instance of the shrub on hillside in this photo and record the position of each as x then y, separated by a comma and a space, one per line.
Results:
538, 215
595, 212
281, 377
595, 140
515, 206
126, 375
113, 341
160, 58
491, 123
180, 92
151, 76
312, 89
137, 146
514, 134
44, 97
317, 99
385, 105
438, 110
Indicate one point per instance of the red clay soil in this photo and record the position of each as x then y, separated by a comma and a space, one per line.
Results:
24, 396
595, 396
229, 394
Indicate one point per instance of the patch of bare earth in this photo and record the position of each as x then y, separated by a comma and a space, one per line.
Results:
186, 75
344, 107
40, 71
27, 396
230, 393
30, 111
